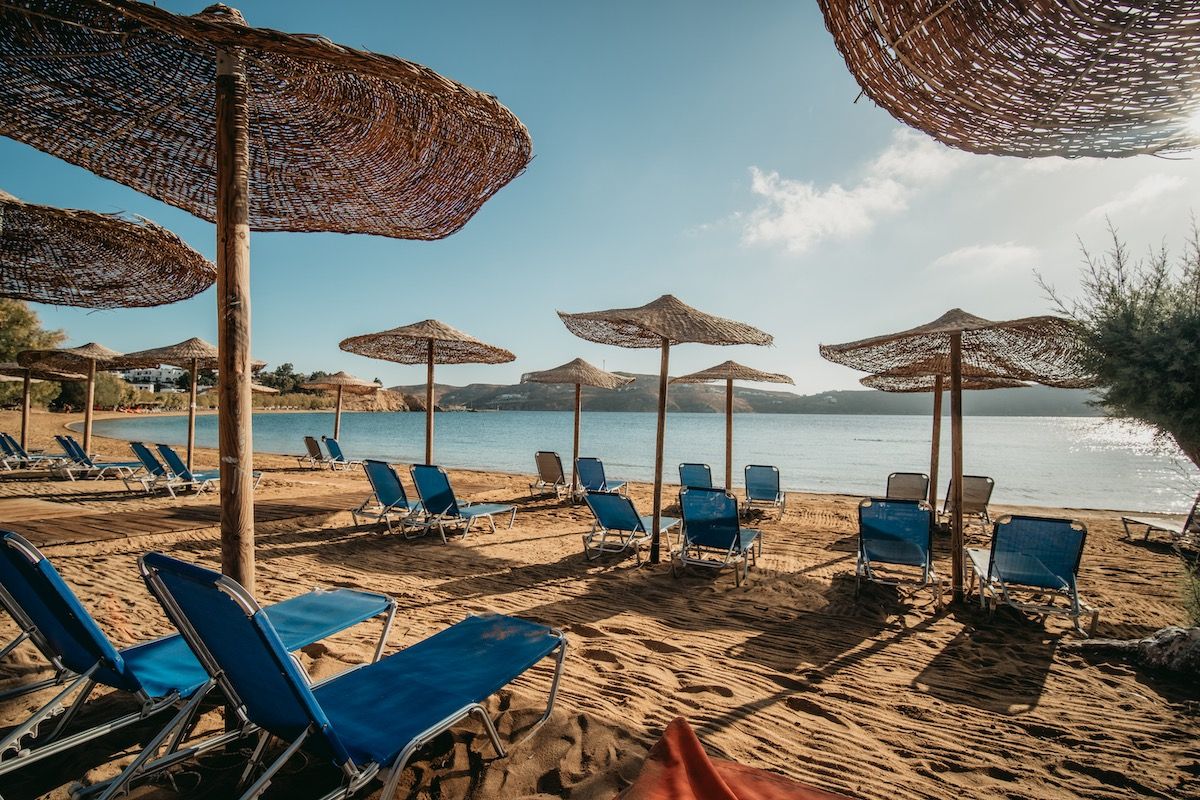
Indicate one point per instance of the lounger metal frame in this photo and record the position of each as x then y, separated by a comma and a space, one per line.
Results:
28, 632
1188, 529
337, 458
695, 554
315, 458
453, 516
778, 502
626, 539
862, 565
972, 508
581, 490
409, 516
356, 777
993, 591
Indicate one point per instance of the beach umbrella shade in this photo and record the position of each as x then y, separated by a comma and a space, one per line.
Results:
304, 135
341, 382
258, 388
729, 372
86, 360
1037, 349
579, 373
935, 384
1061, 78
12, 371
428, 342
82, 258
191, 354
661, 323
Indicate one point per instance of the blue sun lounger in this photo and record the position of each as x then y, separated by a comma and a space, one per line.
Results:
15, 455
28, 632
367, 721
590, 472
388, 499
442, 508
618, 528
337, 459
161, 674
762, 488
713, 536
895, 533
153, 474
695, 476
83, 463
184, 478
1033, 555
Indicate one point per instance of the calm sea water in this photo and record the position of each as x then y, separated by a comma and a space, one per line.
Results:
1050, 461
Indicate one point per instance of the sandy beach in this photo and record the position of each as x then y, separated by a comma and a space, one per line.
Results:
877, 697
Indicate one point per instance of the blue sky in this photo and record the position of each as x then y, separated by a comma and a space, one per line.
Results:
712, 150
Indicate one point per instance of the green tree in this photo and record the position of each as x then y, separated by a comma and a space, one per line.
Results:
111, 392
20, 329
1138, 323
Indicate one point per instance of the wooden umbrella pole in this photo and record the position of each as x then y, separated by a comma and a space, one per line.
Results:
575, 449
658, 450
429, 406
192, 413
729, 435
25, 387
337, 415
936, 448
233, 319
87, 410
956, 467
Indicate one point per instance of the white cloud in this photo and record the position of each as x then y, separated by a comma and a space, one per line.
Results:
798, 214
983, 260
1143, 192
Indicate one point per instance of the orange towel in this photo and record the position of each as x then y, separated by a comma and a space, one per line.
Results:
677, 768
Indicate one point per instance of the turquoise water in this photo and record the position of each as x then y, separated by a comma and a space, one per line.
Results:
1051, 461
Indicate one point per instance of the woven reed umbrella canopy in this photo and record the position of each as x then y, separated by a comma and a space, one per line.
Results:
341, 382
191, 354
11, 370
934, 384
660, 323
1056, 78
580, 373
82, 258
1037, 349
427, 342
304, 135
85, 359
730, 371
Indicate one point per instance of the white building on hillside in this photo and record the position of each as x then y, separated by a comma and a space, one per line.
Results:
154, 379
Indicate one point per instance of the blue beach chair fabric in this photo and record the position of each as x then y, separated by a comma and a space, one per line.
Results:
388, 500
1178, 529
551, 479
976, 494
27, 632
762, 488
618, 528
337, 459
183, 478
712, 534
367, 721
895, 533
161, 673
590, 472
1033, 555
17, 455
695, 476
314, 457
442, 508
907, 486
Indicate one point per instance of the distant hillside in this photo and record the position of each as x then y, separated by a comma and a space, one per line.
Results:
642, 395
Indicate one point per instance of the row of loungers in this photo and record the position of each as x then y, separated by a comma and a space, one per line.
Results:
315, 458
976, 493
367, 720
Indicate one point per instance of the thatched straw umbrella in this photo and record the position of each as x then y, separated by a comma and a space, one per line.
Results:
85, 359
191, 354
304, 135
82, 258
1037, 349
660, 323
13, 371
258, 388
341, 382
428, 342
934, 384
580, 373
730, 371
1068, 78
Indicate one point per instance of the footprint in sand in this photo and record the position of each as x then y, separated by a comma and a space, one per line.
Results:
806, 706
586, 631
600, 655
723, 691
660, 647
